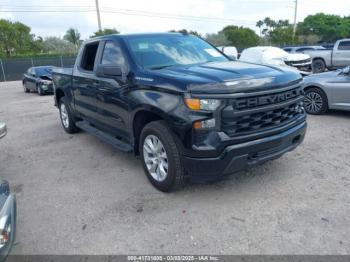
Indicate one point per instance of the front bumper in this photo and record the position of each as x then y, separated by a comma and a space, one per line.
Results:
243, 156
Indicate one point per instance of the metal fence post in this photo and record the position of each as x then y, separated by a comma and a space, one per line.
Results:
2, 69
61, 61
31, 60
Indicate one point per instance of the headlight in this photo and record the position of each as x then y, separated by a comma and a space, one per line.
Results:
5, 230
46, 82
202, 104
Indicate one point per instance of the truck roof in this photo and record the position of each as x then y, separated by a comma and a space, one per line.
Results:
115, 36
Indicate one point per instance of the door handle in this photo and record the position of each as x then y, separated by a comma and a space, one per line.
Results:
103, 89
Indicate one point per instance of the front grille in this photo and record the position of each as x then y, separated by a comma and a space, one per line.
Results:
264, 115
292, 63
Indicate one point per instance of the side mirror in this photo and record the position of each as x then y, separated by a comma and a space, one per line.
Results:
110, 71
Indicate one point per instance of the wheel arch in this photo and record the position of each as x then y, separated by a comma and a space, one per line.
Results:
59, 93
320, 88
141, 118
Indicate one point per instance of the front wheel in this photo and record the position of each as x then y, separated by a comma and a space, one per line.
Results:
26, 90
315, 101
40, 91
161, 156
318, 66
67, 118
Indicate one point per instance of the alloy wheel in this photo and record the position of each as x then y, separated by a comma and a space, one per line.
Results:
155, 157
64, 115
313, 102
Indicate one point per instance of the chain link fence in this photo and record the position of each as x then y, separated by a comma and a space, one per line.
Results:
12, 69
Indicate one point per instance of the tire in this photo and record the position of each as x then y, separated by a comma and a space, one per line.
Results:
174, 176
318, 66
40, 91
26, 90
67, 117
315, 101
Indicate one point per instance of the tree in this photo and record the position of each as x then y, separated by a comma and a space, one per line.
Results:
56, 45
72, 35
282, 36
217, 39
276, 32
260, 24
105, 31
328, 28
241, 37
15, 38
185, 31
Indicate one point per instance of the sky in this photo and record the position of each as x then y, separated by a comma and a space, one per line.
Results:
133, 16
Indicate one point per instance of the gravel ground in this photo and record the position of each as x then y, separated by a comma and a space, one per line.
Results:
77, 195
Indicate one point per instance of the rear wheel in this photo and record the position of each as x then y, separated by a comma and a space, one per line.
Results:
315, 101
318, 66
67, 117
161, 156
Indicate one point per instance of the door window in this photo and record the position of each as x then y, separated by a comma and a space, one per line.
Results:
344, 45
89, 55
112, 55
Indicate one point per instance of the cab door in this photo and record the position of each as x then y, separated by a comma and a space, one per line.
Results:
111, 93
341, 54
85, 83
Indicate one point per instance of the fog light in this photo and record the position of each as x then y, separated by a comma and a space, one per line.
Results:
210, 123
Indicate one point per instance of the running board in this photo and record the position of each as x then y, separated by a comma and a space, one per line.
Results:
115, 142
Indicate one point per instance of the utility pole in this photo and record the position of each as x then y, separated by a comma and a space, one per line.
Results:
98, 16
295, 18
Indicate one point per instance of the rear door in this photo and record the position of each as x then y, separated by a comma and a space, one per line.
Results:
30, 79
111, 91
341, 54
85, 82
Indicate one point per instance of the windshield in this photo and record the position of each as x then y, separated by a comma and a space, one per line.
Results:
42, 71
156, 52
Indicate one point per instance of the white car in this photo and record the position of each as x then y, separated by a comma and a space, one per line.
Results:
270, 55
230, 51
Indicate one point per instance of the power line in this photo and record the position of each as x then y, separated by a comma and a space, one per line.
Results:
132, 12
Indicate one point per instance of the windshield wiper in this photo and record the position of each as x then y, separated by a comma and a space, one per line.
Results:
160, 67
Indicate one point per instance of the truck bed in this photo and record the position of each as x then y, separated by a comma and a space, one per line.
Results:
62, 77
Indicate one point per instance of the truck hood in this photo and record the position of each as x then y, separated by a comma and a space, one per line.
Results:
223, 77
297, 57
317, 77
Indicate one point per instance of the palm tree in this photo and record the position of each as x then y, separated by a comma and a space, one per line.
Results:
260, 24
72, 35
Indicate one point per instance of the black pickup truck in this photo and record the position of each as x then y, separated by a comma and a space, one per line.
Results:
184, 107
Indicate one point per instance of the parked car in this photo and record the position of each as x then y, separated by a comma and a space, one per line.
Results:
8, 212
336, 58
329, 90
302, 49
269, 55
230, 51
184, 107
38, 79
